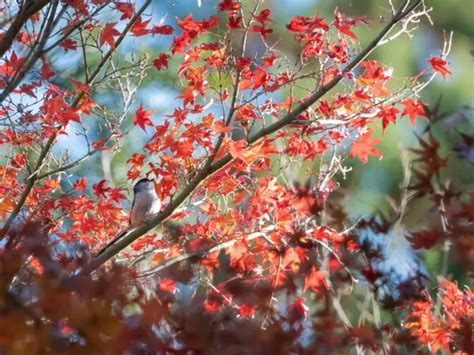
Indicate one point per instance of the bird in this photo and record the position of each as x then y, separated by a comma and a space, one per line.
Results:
145, 205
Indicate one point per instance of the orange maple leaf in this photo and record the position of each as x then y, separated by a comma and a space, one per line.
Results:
413, 109
315, 280
364, 147
187, 95
142, 118
439, 65
107, 34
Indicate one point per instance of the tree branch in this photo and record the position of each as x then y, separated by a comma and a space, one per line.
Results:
406, 8
39, 49
73, 163
31, 7
35, 54
202, 253
70, 30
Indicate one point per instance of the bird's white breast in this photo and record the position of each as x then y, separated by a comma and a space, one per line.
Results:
146, 205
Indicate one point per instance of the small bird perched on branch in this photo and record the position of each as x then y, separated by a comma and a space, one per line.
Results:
145, 205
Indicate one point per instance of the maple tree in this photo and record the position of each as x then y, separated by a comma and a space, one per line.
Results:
239, 257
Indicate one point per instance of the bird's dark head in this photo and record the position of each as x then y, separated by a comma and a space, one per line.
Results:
143, 185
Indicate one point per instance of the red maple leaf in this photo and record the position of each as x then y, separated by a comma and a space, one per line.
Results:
219, 127
261, 29
79, 5
292, 259
263, 17
268, 61
187, 95
229, 5
345, 29
298, 24
364, 147
116, 195
68, 44
246, 310
107, 34
211, 306
29, 89
142, 118
344, 23
46, 71
162, 30
161, 62
413, 109
99, 189
439, 65
388, 114
137, 159
80, 184
316, 280
168, 285
18, 161
254, 79
81, 86
297, 310
234, 22
99, 145
237, 254
139, 27
127, 9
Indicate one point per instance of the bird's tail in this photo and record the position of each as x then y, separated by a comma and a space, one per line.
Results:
113, 241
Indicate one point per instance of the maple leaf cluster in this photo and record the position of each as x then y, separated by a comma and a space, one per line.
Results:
451, 328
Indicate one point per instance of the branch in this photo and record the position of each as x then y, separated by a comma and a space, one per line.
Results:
202, 253
69, 30
210, 169
73, 163
35, 54
39, 49
31, 7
